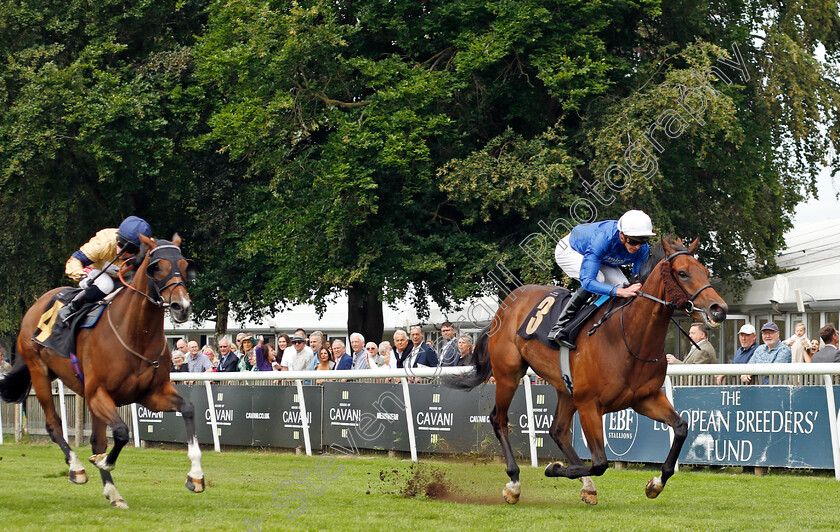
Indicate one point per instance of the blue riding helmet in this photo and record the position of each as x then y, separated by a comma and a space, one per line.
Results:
131, 228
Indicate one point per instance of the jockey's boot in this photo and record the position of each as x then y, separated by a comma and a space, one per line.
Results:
73, 306
558, 333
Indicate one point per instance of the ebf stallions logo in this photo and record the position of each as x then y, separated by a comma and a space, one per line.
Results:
620, 430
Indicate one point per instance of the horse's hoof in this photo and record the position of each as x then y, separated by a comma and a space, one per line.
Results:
589, 497
554, 469
653, 488
511, 492
77, 477
119, 503
195, 485
101, 461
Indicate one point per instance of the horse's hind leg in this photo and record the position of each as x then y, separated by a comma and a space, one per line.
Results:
658, 408
99, 442
505, 389
43, 390
590, 422
167, 401
560, 433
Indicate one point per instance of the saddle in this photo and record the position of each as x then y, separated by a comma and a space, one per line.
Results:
59, 336
543, 316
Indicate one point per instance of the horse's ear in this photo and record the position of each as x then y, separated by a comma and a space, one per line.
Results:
693, 247
666, 245
149, 242
176, 239
140, 256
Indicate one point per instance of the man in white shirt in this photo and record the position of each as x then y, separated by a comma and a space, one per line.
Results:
297, 356
357, 348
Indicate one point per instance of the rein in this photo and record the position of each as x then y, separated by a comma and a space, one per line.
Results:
158, 287
154, 364
130, 267
686, 304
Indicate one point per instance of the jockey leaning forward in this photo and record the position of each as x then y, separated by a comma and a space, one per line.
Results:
97, 263
591, 253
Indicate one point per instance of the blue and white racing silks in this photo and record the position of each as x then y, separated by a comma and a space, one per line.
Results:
599, 244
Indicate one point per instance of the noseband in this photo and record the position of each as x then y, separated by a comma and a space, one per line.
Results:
158, 286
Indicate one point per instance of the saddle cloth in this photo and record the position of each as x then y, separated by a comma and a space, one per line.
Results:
544, 315
59, 336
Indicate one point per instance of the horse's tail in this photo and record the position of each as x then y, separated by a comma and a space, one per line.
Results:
481, 361
15, 384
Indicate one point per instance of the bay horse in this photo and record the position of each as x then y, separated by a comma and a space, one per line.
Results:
124, 359
621, 365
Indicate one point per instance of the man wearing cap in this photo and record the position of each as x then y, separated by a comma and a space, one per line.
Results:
703, 353
830, 338
297, 356
746, 337
592, 253
772, 351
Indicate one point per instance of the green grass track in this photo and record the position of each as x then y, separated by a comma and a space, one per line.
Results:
250, 489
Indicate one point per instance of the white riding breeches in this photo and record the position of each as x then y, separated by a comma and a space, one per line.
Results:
570, 261
103, 282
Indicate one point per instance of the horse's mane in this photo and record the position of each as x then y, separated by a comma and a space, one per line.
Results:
656, 254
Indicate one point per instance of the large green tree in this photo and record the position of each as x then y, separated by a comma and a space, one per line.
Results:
87, 130
394, 148
411, 147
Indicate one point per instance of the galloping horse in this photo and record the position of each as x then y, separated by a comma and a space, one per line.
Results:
124, 359
621, 365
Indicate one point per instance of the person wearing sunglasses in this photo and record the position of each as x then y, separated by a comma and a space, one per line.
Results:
592, 253
95, 265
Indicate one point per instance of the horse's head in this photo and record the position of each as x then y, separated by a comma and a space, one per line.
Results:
167, 272
687, 283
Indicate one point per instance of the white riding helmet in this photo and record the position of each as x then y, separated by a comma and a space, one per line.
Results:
635, 223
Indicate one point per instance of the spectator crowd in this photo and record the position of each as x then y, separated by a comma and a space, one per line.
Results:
771, 350
410, 349
300, 352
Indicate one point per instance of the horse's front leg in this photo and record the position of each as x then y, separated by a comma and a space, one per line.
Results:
99, 443
658, 408
103, 413
169, 400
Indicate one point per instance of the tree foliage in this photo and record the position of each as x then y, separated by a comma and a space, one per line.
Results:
403, 149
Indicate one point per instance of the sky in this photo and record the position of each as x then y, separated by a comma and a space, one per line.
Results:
825, 206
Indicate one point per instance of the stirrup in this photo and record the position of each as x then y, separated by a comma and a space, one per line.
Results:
65, 313
562, 341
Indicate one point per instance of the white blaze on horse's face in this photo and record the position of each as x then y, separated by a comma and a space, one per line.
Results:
180, 305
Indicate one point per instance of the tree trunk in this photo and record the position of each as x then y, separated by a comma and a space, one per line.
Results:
222, 310
364, 313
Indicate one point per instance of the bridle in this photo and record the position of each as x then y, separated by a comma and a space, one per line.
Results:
158, 286
686, 304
